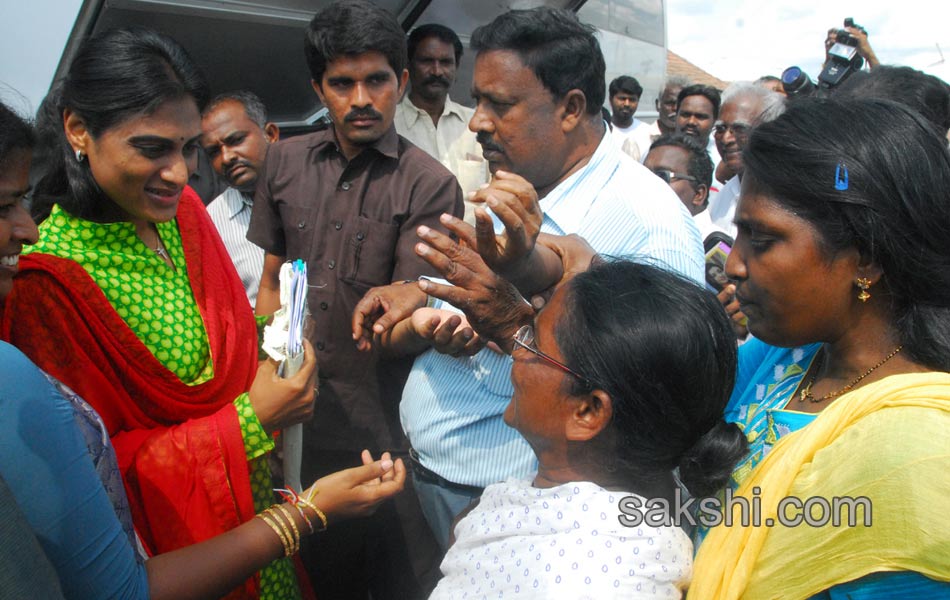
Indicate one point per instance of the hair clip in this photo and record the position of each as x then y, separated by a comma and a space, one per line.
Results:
841, 177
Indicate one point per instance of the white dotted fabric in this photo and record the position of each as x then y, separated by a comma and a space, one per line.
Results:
563, 542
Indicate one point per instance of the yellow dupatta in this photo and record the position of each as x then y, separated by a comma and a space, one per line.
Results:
888, 441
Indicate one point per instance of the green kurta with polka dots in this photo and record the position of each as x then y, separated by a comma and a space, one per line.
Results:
158, 305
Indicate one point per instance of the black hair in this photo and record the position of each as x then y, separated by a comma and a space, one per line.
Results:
893, 209
351, 27
16, 133
563, 53
116, 75
924, 93
663, 349
700, 165
437, 31
626, 84
767, 79
253, 105
707, 91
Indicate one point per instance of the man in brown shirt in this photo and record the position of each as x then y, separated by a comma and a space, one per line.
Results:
348, 201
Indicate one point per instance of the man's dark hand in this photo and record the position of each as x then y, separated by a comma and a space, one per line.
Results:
515, 202
381, 308
493, 306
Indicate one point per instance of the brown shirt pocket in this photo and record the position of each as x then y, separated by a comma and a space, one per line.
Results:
369, 252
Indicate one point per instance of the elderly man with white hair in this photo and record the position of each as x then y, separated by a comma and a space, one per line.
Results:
744, 105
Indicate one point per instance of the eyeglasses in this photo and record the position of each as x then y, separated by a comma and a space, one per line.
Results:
738, 129
524, 337
669, 176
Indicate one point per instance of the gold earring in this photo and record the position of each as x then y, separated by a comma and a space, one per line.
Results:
864, 284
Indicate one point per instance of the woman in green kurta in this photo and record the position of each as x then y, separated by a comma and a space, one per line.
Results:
131, 300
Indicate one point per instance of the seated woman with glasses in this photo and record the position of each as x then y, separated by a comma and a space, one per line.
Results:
621, 379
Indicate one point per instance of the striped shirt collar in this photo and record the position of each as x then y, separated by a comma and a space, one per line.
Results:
237, 202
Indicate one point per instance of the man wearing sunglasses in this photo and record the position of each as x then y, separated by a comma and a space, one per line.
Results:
744, 105
682, 162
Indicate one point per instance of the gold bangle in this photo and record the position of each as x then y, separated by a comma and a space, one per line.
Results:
293, 525
285, 531
320, 514
295, 547
280, 534
290, 548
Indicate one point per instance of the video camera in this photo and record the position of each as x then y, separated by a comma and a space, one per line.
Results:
843, 60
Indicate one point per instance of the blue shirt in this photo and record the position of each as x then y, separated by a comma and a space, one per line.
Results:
45, 459
452, 408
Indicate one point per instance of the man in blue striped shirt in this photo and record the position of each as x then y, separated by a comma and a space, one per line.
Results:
538, 115
236, 134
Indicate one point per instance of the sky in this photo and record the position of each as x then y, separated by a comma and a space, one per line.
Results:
731, 39
745, 39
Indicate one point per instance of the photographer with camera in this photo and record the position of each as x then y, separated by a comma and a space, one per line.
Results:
858, 38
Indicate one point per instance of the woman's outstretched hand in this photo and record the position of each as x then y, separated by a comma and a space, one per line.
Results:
359, 491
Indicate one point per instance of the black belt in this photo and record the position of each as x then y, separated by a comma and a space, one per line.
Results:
430, 476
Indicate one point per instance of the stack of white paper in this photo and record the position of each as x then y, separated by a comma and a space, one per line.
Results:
283, 341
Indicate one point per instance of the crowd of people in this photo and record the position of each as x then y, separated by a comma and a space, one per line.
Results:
512, 307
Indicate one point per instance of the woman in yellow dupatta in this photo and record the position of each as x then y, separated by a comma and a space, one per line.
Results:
842, 266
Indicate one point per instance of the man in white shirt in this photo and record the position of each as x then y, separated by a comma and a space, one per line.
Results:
431, 120
235, 134
632, 134
697, 109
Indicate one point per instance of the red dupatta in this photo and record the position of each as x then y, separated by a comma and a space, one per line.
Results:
179, 447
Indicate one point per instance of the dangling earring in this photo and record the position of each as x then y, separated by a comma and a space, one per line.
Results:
80, 156
864, 284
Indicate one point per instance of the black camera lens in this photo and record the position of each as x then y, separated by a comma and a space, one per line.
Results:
796, 82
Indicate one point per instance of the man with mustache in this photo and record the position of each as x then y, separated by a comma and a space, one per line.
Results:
430, 119
697, 108
539, 87
348, 200
236, 135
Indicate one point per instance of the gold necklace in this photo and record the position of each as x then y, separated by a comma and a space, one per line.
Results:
806, 392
